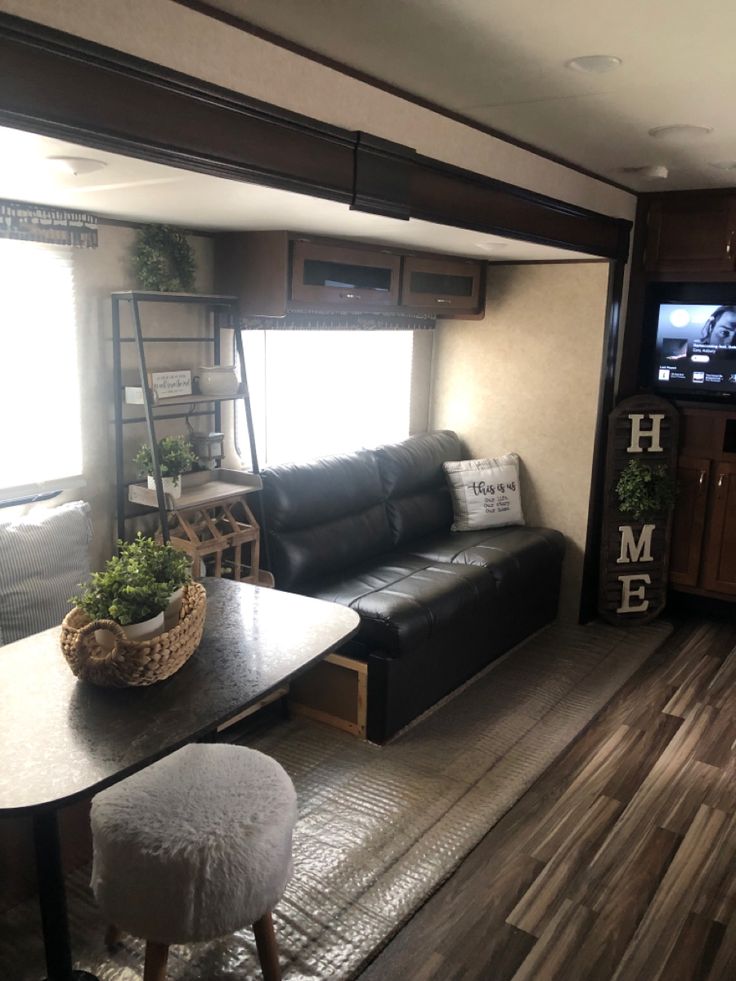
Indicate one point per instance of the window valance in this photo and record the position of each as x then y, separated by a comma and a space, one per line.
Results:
340, 321
52, 226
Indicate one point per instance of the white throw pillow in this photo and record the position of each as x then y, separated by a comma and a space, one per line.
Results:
485, 493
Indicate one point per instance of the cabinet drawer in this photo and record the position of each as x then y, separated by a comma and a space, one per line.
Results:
441, 284
326, 274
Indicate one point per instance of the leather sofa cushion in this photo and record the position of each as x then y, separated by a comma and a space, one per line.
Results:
511, 554
404, 601
323, 517
417, 497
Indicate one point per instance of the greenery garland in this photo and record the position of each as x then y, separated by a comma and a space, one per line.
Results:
163, 260
644, 491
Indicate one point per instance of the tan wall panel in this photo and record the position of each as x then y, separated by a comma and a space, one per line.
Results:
525, 379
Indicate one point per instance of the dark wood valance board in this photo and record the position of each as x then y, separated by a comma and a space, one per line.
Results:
61, 85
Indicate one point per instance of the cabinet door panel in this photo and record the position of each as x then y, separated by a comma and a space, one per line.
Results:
326, 274
692, 236
441, 284
719, 563
688, 520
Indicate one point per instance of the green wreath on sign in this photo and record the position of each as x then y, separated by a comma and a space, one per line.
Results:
163, 260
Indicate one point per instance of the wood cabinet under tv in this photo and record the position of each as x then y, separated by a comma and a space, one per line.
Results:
275, 273
703, 548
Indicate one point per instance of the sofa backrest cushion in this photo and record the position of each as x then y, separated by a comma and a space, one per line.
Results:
418, 502
323, 516
43, 559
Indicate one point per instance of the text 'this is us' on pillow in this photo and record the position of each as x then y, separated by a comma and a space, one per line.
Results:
485, 493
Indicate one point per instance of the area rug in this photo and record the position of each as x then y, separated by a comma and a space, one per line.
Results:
381, 828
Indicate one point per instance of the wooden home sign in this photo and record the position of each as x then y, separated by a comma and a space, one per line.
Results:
635, 553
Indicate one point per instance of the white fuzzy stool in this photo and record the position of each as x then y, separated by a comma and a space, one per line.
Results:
195, 847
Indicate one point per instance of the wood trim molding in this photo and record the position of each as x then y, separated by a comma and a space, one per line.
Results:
154, 113
248, 27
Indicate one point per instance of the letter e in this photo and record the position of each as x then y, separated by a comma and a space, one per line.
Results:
627, 594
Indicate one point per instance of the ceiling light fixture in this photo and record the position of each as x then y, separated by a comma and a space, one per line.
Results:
75, 165
680, 133
649, 171
594, 64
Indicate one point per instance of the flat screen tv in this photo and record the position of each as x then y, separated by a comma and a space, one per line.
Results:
693, 330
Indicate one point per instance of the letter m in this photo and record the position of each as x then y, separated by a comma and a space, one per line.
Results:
632, 550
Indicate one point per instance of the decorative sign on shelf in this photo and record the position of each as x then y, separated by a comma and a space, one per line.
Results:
641, 467
168, 384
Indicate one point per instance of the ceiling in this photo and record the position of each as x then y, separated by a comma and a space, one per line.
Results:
502, 64
137, 190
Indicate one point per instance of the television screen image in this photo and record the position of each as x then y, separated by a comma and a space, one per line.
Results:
695, 349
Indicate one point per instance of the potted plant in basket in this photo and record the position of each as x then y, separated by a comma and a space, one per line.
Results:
175, 456
128, 594
165, 563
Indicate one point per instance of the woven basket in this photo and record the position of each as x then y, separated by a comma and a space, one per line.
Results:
132, 662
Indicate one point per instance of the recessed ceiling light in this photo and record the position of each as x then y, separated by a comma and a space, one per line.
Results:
76, 165
680, 133
724, 164
594, 64
491, 246
649, 171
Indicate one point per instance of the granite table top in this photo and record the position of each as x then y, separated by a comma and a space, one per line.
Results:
62, 739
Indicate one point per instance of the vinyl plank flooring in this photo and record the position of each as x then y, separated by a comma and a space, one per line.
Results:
620, 862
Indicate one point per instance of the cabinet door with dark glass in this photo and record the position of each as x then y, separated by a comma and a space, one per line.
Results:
688, 520
441, 284
332, 275
719, 563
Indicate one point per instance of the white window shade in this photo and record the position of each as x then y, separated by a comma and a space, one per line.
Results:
39, 384
319, 392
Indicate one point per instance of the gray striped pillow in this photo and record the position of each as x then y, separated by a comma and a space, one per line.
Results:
43, 558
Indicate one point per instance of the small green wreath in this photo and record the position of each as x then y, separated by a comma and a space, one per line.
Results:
163, 260
644, 491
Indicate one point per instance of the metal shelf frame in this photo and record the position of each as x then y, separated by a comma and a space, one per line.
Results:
222, 311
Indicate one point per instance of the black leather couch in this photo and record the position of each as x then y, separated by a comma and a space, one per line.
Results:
372, 531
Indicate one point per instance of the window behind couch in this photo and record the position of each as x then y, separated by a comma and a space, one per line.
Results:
319, 392
39, 383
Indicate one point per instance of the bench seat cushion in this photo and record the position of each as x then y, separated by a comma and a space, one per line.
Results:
404, 601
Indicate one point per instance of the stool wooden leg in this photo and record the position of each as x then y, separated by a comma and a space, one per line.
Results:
268, 953
156, 957
113, 936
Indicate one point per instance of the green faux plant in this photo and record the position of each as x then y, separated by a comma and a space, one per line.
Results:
164, 562
175, 456
163, 260
123, 593
644, 491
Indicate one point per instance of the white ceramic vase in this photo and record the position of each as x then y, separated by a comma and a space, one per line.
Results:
219, 381
133, 631
172, 485
172, 611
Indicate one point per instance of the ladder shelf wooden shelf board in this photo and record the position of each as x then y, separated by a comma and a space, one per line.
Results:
134, 395
207, 487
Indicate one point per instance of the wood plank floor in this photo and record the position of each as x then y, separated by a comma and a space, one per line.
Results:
620, 863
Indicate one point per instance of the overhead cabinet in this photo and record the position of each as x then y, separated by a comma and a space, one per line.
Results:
692, 235
275, 273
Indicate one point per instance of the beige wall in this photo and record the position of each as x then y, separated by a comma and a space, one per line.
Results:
526, 379
169, 34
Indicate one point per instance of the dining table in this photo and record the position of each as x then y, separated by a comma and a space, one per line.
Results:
62, 740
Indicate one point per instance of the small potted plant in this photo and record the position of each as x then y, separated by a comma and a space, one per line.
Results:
166, 564
644, 491
130, 595
175, 457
